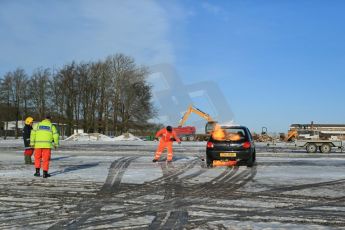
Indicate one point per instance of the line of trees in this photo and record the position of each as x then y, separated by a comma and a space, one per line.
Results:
109, 96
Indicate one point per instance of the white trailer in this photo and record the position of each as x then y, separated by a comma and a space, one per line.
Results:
325, 146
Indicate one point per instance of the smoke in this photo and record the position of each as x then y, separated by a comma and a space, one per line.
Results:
172, 98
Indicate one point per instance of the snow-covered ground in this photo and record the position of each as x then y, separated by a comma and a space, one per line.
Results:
102, 185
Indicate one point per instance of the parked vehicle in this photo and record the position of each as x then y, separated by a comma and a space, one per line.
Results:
316, 131
234, 145
314, 137
324, 146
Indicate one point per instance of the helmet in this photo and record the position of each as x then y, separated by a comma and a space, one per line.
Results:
169, 128
29, 120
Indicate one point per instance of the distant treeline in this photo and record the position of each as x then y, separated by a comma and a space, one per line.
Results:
109, 96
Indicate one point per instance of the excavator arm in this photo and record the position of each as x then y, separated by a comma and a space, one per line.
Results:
197, 111
292, 134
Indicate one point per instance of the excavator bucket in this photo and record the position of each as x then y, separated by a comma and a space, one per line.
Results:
224, 163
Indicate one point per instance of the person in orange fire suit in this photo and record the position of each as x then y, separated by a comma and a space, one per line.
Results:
167, 136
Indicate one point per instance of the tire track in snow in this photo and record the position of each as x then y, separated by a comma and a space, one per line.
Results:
88, 209
305, 186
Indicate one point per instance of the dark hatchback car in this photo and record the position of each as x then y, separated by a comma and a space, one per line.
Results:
240, 149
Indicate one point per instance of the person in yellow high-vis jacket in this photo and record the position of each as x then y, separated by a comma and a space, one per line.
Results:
43, 137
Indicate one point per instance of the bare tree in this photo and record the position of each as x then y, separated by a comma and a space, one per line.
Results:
6, 99
107, 96
18, 88
68, 92
85, 92
40, 91
131, 95
120, 65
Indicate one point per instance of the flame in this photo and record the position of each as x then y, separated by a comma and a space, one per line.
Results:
224, 163
220, 134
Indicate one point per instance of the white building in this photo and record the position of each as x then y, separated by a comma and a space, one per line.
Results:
11, 125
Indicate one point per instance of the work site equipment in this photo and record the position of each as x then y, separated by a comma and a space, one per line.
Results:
189, 132
291, 136
315, 131
263, 137
314, 137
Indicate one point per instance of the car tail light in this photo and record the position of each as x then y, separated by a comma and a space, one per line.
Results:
210, 145
246, 145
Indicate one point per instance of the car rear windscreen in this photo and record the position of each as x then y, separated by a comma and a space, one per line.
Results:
232, 134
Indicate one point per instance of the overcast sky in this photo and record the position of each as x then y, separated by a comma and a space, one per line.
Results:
276, 62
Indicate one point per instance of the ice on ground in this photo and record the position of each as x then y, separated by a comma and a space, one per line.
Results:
139, 174
62, 167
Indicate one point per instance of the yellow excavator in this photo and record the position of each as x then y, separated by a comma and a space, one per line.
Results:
189, 132
292, 135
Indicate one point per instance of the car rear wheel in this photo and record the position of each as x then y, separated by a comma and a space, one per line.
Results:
209, 162
251, 160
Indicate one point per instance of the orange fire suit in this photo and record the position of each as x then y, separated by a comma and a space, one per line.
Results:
43, 154
166, 141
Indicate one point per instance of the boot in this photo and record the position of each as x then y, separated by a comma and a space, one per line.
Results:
37, 172
45, 174
29, 160
26, 159
154, 160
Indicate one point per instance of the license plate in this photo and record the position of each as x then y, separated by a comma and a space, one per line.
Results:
227, 154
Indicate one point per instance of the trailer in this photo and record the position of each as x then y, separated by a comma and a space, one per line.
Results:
324, 146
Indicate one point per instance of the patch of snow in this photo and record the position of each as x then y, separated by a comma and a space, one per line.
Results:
238, 225
127, 137
140, 223
325, 208
88, 137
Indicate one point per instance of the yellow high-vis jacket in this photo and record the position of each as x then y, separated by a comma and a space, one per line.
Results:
44, 135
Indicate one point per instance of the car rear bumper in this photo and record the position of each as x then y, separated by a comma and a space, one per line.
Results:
240, 155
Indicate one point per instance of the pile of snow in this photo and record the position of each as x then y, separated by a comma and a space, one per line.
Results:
127, 137
88, 137
101, 137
